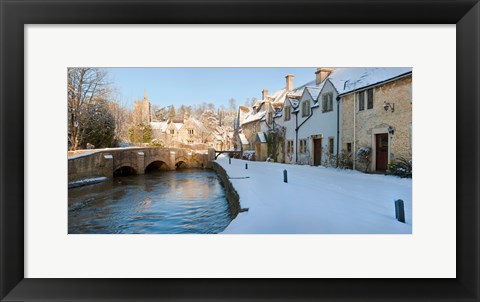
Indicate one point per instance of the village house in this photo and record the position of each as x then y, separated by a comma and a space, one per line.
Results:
192, 131
309, 125
240, 140
187, 132
318, 128
376, 115
258, 125
288, 120
309, 118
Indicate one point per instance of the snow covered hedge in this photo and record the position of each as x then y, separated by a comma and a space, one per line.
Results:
248, 155
402, 168
363, 156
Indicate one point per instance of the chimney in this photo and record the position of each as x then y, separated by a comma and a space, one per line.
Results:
264, 93
289, 85
322, 73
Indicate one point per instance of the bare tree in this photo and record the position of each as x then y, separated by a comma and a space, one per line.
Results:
232, 104
123, 120
84, 86
249, 102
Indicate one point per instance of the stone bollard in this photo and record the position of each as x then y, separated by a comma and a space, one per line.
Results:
285, 178
246, 166
399, 210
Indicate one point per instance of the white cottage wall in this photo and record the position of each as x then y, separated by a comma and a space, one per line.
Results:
321, 125
289, 132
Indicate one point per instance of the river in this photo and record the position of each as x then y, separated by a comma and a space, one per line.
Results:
186, 201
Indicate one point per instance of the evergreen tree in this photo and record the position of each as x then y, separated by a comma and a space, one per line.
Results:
98, 125
171, 113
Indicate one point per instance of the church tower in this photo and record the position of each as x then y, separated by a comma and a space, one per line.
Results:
142, 110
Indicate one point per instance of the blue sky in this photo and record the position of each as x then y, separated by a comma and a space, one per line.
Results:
190, 86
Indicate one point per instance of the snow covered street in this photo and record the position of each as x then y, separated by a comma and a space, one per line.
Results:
316, 200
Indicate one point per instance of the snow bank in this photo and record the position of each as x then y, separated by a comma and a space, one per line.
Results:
316, 200
86, 181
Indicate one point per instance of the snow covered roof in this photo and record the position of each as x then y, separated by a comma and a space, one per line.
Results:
314, 91
159, 125
178, 125
294, 102
261, 137
346, 80
243, 139
253, 117
217, 136
196, 123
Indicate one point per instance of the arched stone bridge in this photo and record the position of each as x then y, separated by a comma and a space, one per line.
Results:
118, 161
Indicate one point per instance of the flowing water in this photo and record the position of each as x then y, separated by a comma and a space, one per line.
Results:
163, 202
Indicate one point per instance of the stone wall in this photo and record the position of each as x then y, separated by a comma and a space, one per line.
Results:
81, 168
376, 120
250, 131
231, 194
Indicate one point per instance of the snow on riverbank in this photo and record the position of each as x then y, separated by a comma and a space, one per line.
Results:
86, 181
316, 200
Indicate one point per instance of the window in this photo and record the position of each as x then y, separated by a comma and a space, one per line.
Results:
361, 101
289, 146
330, 145
327, 102
306, 108
190, 131
190, 142
303, 146
287, 113
370, 98
172, 131
349, 147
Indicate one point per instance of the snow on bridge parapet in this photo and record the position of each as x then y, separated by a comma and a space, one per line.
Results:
105, 162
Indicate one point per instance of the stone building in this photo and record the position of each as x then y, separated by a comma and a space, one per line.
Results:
186, 132
377, 116
255, 126
328, 120
142, 110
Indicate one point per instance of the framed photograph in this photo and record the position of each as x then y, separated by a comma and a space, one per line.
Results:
223, 106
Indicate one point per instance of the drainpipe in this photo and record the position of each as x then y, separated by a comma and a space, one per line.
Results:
338, 125
296, 137
354, 129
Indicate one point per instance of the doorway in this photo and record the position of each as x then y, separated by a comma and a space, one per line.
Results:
381, 152
317, 152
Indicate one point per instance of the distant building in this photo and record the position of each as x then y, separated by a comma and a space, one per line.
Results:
187, 132
142, 110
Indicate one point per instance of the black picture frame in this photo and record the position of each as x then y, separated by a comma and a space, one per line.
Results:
15, 14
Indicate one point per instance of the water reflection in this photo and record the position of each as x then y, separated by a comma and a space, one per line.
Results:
166, 202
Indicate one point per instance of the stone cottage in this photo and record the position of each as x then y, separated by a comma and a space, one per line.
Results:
376, 115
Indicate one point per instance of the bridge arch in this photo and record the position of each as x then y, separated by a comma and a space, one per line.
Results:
156, 165
182, 163
124, 170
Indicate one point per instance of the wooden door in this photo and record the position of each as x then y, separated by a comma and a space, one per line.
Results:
258, 151
381, 151
317, 152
